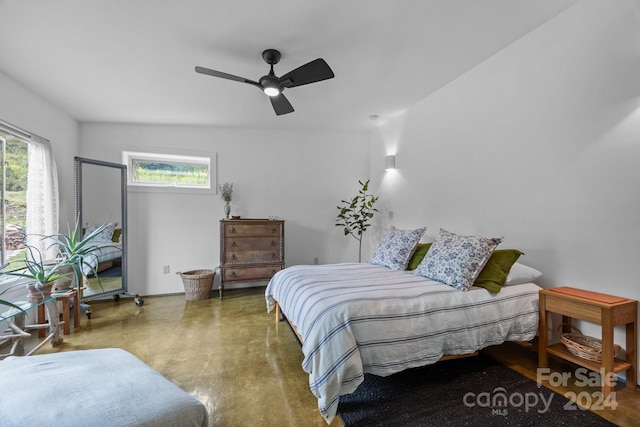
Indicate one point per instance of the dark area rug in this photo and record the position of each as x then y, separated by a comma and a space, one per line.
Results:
460, 392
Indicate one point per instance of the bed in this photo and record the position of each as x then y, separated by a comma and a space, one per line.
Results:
106, 244
109, 387
356, 318
103, 257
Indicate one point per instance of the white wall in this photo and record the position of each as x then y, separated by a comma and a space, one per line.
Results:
21, 107
27, 110
300, 176
541, 144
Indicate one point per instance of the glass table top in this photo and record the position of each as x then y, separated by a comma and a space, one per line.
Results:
15, 292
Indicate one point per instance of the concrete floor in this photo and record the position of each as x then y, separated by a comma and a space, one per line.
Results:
229, 354
232, 356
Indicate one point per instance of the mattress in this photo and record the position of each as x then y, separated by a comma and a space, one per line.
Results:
104, 252
358, 317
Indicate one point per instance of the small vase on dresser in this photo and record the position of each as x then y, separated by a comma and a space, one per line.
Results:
227, 210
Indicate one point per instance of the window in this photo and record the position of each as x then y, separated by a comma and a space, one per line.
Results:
170, 171
14, 164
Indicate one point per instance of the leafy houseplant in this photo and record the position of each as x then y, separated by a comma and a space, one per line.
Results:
355, 214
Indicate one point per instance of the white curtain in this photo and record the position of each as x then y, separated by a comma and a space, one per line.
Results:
42, 195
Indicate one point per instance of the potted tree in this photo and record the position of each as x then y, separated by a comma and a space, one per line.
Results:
355, 214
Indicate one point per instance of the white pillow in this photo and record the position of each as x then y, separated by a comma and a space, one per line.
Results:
521, 273
396, 248
457, 260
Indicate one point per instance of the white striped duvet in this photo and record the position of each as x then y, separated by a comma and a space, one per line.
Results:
357, 318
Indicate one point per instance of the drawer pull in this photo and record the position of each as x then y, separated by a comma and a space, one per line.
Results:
233, 229
273, 243
233, 273
273, 254
233, 256
233, 243
273, 230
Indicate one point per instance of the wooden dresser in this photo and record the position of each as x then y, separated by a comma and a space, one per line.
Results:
251, 250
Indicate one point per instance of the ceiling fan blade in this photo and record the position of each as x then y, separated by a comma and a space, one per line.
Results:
222, 75
311, 72
281, 105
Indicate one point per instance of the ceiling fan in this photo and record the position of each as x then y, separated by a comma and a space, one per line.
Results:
272, 85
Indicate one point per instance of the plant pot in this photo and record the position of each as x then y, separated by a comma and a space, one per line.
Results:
39, 290
64, 283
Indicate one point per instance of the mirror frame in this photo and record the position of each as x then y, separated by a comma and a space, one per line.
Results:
79, 162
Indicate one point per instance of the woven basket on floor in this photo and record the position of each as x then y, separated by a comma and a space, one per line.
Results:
197, 284
585, 346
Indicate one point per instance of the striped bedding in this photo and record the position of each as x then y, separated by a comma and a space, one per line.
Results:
357, 318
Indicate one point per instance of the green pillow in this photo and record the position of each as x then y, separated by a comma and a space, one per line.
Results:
416, 258
116, 235
495, 272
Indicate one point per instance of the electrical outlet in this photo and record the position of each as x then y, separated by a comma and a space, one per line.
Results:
316, 261
166, 269
390, 214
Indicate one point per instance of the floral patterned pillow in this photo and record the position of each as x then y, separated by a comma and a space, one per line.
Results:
396, 248
457, 260
104, 236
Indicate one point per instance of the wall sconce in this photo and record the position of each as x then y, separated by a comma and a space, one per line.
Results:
390, 162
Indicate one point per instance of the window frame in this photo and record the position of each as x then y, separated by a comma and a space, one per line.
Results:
209, 158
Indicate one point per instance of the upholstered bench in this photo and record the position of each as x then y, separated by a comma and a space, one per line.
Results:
107, 387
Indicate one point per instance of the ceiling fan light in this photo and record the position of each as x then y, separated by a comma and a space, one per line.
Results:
272, 91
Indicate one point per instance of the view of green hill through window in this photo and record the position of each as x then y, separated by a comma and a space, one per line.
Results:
171, 173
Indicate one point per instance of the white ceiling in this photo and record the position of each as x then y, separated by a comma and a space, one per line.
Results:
133, 61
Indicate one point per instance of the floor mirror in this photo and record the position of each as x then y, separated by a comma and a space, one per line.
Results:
101, 198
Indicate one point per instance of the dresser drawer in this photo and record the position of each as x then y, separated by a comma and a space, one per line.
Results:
251, 257
251, 230
253, 244
249, 274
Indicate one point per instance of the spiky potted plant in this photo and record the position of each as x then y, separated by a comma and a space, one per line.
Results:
74, 255
78, 251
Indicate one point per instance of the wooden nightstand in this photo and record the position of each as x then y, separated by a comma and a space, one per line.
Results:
606, 310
